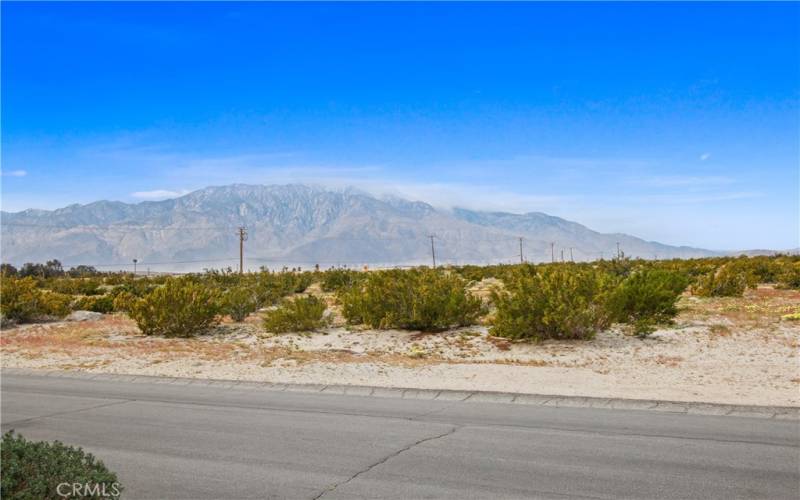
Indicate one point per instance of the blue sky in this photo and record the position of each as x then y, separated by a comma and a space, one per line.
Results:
673, 122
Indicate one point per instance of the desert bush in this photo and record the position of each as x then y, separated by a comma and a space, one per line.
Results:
417, 299
301, 314
789, 276
21, 300
556, 302
334, 280
97, 303
179, 308
33, 470
74, 286
238, 302
646, 298
123, 301
729, 280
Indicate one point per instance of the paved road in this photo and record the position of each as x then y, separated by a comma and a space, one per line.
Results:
197, 442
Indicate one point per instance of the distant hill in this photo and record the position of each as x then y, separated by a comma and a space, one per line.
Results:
300, 225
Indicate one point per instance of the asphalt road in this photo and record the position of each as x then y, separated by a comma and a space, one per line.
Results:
197, 442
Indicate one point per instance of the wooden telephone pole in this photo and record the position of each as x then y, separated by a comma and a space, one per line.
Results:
433, 249
552, 252
242, 238
521, 258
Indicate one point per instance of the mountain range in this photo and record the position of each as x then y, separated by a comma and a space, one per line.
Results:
299, 225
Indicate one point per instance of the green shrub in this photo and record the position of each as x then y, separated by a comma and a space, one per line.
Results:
301, 314
646, 298
97, 303
334, 280
417, 299
21, 300
789, 276
555, 302
179, 308
728, 280
239, 302
123, 301
74, 286
34, 470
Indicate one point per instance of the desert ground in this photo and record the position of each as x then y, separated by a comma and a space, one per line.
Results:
741, 350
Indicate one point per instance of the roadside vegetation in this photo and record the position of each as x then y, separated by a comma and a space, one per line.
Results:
33, 470
526, 302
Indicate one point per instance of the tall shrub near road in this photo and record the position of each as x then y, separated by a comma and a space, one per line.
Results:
554, 302
417, 299
179, 308
647, 298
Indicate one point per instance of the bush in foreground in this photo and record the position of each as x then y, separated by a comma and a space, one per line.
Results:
179, 308
301, 314
647, 298
418, 299
33, 470
556, 302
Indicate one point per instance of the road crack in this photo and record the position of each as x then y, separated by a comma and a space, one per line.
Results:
68, 412
383, 461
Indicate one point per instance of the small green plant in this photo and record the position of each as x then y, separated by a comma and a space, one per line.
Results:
301, 314
556, 302
179, 308
417, 299
238, 302
33, 470
646, 299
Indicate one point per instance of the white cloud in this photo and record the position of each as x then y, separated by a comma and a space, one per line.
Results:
14, 173
705, 156
158, 194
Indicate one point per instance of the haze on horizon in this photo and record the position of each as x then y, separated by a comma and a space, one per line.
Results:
678, 123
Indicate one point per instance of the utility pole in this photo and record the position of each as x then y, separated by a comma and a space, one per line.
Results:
134, 266
433, 249
521, 259
562, 255
552, 253
618, 254
242, 238
570, 255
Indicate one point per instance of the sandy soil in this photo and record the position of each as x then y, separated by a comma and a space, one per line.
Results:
724, 350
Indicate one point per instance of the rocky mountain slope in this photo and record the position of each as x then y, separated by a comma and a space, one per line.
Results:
299, 225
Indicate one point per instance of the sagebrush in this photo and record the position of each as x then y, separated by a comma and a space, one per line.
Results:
301, 314
416, 299
178, 308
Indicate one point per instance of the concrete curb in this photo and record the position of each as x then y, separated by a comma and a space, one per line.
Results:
677, 407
